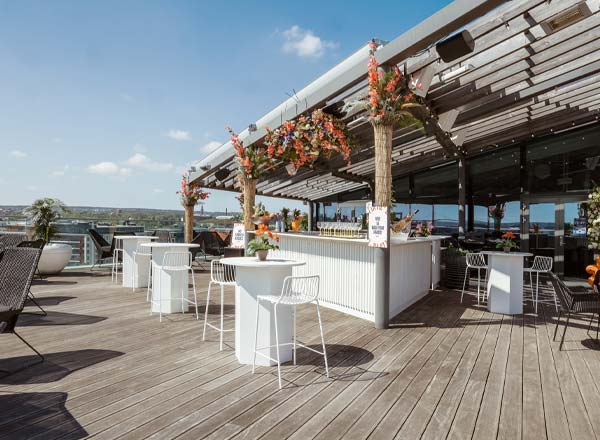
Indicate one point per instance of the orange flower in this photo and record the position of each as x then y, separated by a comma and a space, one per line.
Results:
509, 235
270, 234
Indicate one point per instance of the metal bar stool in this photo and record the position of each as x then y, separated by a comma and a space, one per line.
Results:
295, 291
118, 250
475, 260
140, 253
222, 275
540, 265
174, 262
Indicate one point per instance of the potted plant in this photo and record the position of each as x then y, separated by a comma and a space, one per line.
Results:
424, 231
262, 244
297, 219
508, 242
43, 213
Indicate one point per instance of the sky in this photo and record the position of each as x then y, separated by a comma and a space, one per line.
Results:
106, 103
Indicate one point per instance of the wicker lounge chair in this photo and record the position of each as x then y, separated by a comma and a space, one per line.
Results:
36, 244
17, 267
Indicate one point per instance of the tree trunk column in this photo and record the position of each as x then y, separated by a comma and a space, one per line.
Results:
249, 190
383, 197
383, 163
189, 223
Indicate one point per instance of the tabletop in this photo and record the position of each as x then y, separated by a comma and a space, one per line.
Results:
170, 245
255, 262
135, 237
507, 254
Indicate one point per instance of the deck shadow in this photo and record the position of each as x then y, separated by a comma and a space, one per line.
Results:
55, 367
34, 407
49, 300
58, 318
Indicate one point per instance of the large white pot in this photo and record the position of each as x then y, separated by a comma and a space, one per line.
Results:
55, 258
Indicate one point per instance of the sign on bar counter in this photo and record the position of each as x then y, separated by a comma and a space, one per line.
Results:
237, 236
378, 224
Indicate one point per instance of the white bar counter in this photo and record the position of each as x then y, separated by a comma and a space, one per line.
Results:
347, 270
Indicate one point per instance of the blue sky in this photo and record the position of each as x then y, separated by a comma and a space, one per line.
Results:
104, 103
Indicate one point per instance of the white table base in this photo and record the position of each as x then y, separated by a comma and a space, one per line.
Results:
141, 264
250, 284
169, 285
505, 285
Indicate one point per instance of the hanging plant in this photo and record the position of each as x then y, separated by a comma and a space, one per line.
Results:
190, 193
253, 160
593, 219
301, 142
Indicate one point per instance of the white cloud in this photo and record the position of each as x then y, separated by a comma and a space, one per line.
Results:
127, 97
141, 161
104, 168
304, 43
209, 147
57, 173
57, 140
179, 135
158, 190
18, 154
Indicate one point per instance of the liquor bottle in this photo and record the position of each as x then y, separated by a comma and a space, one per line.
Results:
399, 226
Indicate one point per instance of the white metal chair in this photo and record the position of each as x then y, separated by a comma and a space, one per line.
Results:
540, 265
175, 262
295, 291
222, 275
142, 252
118, 249
475, 260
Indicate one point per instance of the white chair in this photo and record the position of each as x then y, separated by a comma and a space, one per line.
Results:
475, 260
174, 262
222, 275
142, 252
540, 265
295, 291
118, 249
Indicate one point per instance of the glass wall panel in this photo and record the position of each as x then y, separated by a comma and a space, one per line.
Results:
495, 177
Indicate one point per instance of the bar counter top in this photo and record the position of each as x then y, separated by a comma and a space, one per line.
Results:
365, 241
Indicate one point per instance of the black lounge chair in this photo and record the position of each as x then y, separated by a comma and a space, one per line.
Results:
104, 249
163, 236
211, 246
17, 267
11, 240
35, 244
573, 303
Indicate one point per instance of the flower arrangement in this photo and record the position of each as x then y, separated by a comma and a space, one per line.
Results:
593, 219
263, 242
496, 212
303, 141
424, 231
390, 100
253, 160
297, 222
191, 194
508, 242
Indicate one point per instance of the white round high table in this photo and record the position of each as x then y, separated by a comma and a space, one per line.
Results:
129, 245
166, 284
505, 282
253, 278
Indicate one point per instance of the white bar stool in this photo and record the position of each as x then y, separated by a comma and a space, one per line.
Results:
173, 262
295, 291
223, 275
475, 260
140, 253
118, 249
540, 265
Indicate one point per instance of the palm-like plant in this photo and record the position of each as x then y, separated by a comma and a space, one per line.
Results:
42, 213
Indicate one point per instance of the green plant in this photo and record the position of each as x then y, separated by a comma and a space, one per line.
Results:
42, 213
453, 250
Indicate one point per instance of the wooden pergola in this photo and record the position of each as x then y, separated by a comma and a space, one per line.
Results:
524, 79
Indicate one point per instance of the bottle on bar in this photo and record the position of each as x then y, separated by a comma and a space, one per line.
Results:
399, 226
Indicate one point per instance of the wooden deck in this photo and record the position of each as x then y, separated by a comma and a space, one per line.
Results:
444, 370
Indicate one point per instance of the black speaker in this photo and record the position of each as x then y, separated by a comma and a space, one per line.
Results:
222, 174
456, 46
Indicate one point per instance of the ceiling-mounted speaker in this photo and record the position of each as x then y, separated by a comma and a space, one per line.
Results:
222, 174
421, 80
456, 46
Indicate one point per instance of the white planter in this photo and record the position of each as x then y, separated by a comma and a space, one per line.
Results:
54, 259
